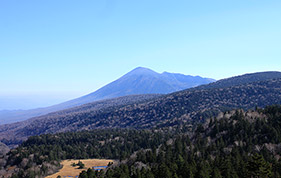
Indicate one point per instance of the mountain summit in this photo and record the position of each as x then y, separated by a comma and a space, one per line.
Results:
144, 81
185, 107
138, 81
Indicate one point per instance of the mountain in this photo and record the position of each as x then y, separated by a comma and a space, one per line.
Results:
141, 81
138, 81
170, 110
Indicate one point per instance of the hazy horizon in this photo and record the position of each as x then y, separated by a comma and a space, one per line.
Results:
33, 100
53, 51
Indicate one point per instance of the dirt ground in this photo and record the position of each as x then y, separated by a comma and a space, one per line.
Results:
69, 171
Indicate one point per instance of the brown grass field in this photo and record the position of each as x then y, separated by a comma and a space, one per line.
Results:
68, 170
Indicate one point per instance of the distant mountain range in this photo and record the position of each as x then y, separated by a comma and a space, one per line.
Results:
138, 81
162, 111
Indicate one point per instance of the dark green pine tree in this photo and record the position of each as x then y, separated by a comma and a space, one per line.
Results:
216, 173
91, 173
83, 174
227, 169
149, 174
203, 170
257, 167
163, 171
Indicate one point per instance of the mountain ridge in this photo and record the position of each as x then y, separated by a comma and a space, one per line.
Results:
183, 107
242, 79
138, 81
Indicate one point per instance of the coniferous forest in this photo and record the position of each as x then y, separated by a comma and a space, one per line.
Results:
140, 89
234, 144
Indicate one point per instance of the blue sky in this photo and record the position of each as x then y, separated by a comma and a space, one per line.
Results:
55, 50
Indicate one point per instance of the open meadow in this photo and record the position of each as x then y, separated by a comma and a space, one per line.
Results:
72, 171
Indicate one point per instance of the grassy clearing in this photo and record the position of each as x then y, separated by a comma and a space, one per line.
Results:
68, 170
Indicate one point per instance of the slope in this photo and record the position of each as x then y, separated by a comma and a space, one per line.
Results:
170, 110
242, 79
221, 147
138, 81
94, 107
141, 81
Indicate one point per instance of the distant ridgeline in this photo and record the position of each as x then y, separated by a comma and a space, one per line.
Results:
234, 144
186, 107
140, 81
175, 136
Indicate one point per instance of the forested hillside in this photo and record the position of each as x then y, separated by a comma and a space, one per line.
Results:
241, 79
166, 111
94, 107
20, 115
3, 149
235, 144
40, 155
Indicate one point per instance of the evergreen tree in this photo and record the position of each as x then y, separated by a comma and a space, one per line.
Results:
258, 167
216, 173
83, 174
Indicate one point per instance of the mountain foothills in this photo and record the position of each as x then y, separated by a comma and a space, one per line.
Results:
94, 107
184, 107
229, 128
234, 144
138, 81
